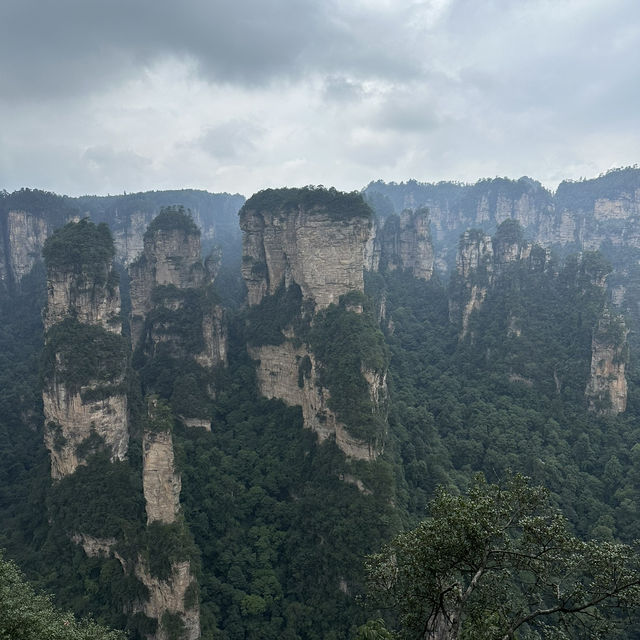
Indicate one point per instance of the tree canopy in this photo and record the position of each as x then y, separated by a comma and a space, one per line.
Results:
500, 563
26, 615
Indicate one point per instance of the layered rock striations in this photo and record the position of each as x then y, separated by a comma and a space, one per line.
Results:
316, 241
402, 242
606, 390
85, 358
171, 299
303, 262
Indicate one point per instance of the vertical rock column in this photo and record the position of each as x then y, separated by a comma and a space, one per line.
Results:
85, 359
606, 389
173, 600
312, 240
167, 275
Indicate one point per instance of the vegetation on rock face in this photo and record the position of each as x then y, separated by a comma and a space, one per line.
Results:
347, 343
57, 209
81, 248
175, 218
282, 522
159, 416
282, 310
78, 354
98, 498
338, 205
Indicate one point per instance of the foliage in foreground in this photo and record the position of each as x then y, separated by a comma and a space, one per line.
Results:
25, 615
500, 563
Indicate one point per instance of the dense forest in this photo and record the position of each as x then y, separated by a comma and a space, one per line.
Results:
277, 524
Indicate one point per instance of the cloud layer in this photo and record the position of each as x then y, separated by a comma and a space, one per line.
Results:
99, 97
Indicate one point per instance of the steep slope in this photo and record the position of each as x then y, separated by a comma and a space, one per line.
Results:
28, 217
402, 241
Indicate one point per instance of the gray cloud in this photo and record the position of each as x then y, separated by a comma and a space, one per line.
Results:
72, 46
133, 94
230, 140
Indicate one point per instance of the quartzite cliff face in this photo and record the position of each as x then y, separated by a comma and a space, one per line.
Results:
606, 390
321, 252
314, 240
480, 260
85, 403
402, 242
168, 282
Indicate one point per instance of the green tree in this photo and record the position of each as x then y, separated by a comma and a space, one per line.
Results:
26, 615
498, 564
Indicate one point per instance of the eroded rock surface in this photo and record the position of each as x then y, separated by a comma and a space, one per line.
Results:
607, 386
160, 481
324, 255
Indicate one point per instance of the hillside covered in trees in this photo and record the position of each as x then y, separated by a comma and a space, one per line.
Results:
294, 404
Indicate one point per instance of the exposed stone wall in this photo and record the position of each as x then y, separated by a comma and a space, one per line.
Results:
606, 389
172, 257
69, 421
168, 596
480, 259
84, 298
95, 415
403, 242
26, 235
279, 377
324, 256
160, 481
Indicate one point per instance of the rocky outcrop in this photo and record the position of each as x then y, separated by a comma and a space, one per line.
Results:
587, 214
76, 427
474, 268
26, 236
94, 547
480, 260
172, 599
170, 282
89, 297
402, 242
84, 391
606, 390
171, 257
160, 481
314, 245
313, 240
280, 375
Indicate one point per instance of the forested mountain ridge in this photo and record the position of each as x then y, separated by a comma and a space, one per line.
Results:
585, 214
259, 522
29, 216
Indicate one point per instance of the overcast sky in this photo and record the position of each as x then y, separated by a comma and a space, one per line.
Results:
130, 95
